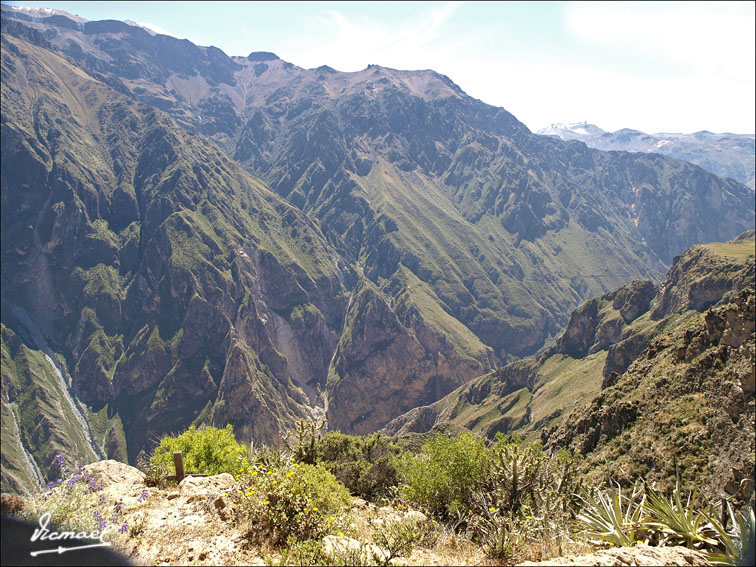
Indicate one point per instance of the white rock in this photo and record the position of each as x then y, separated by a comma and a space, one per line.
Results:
415, 515
215, 484
118, 479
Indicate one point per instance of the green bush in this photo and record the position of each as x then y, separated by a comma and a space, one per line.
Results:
399, 538
365, 465
208, 450
527, 496
445, 474
299, 500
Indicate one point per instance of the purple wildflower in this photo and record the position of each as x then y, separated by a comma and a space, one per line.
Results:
59, 461
102, 499
119, 505
123, 529
114, 519
59, 481
102, 525
97, 515
50, 485
143, 496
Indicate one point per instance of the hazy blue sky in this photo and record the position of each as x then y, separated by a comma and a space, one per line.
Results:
653, 66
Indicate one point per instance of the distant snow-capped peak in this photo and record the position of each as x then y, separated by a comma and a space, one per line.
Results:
578, 128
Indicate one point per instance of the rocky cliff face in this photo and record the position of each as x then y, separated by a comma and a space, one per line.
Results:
687, 400
175, 286
399, 238
641, 378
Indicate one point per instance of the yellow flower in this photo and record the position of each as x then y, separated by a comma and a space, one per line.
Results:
292, 459
492, 509
254, 473
314, 508
341, 534
332, 518
266, 502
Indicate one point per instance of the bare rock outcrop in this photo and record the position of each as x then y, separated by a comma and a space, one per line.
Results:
118, 480
640, 556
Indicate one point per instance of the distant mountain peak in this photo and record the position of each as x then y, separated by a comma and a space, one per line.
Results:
579, 128
262, 56
34, 12
724, 154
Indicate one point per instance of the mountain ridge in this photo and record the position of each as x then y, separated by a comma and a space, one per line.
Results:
628, 362
725, 154
379, 240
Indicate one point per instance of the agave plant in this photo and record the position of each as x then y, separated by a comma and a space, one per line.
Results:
738, 543
614, 519
679, 523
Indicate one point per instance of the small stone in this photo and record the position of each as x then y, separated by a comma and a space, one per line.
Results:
415, 515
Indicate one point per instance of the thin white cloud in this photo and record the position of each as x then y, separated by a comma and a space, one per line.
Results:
349, 44
153, 28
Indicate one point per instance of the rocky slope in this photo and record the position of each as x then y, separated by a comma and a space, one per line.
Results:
404, 239
726, 155
171, 284
638, 381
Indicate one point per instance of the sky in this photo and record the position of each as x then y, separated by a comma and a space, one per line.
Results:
651, 66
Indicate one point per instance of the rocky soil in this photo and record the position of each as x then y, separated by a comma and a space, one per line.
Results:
197, 523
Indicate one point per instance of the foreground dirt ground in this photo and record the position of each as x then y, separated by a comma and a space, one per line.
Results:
196, 523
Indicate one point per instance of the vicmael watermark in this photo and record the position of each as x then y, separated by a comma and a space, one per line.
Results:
42, 533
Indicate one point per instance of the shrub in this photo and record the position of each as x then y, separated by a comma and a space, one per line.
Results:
613, 519
651, 517
678, 523
527, 497
208, 450
737, 544
267, 456
443, 477
398, 538
304, 439
498, 533
75, 502
365, 465
308, 553
300, 501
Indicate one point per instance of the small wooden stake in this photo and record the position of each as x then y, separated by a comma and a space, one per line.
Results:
724, 512
178, 461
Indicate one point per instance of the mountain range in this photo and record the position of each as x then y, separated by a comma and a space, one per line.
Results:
726, 155
191, 238
643, 380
